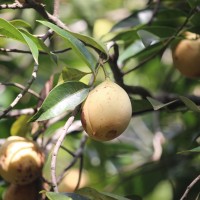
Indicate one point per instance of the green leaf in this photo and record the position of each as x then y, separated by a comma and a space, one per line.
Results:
32, 46
91, 41
64, 97
197, 149
160, 31
140, 105
14, 33
147, 37
40, 44
190, 104
20, 23
75, 196
114, 196
157, 104
75, 44
93, 194
21, 127
8, 27
57, 196
70, 74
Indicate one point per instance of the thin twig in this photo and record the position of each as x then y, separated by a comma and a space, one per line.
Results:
78, 154
14, 6
56, 149
189, 187
22, 93
22, 87
29, 52
80, 172
18, 112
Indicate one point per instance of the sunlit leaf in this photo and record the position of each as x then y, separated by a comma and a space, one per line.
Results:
64, 97
78, 47
32, 46
16, 34
37, 41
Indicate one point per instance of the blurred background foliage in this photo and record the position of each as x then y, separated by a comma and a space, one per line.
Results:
131, 165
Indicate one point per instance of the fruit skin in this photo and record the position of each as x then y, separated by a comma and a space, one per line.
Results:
70, 180
186, 57
21, 160
106, 112
23, 192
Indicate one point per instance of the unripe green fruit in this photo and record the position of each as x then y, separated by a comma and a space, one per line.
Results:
106, 112
186, 57
21, 160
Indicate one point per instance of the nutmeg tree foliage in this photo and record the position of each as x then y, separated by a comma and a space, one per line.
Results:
52, 53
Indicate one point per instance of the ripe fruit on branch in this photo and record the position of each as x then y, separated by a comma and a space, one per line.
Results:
23, 192
21, 160
106, 112
70, 180
186, 57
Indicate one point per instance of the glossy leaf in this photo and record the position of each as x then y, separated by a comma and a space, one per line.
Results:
71, 74
90, 41
37, 41
16, 34
64, 97
32, 46
78, 47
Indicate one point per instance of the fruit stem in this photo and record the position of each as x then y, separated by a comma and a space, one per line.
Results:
105, 72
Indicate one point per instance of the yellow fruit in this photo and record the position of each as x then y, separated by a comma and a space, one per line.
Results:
106, 112
186, 57
21, 160
23, 192
70, 180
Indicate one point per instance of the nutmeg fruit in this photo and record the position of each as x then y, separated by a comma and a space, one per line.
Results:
106, 112
21, 160
186, 56
23, 192
70, 180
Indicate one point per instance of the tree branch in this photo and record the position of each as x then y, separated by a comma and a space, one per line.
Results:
56, 149
189, 187
22, 93
22, 87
